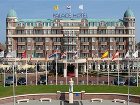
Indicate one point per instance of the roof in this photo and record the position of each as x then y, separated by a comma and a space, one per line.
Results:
128, 13
12, 13
35, 20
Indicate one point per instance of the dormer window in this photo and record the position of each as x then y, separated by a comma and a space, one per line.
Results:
102, 23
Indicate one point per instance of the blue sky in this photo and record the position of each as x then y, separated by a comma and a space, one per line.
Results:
113, 9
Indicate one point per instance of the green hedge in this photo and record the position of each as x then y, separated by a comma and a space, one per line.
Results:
32, 89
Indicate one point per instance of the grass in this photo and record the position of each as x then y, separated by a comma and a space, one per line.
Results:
32, 89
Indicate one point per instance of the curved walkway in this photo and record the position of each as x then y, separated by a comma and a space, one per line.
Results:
79, 102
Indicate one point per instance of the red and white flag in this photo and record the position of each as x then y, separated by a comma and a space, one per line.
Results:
115, 55
24, 54
63, 55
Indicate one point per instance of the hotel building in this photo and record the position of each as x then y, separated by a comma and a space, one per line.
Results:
89, 36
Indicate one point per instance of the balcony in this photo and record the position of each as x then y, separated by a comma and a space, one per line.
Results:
38, 27
39, 51
84, 51
121, 43
20, 50
103, 43
39, 43
57, 43
20, 26
70, 43
102, 27
21, 43
84, 43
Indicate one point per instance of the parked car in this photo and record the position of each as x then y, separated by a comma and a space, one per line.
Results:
42, 79
120, 82
133, 81
9, 80
21, 81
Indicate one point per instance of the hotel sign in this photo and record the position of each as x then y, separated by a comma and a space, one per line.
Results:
70, 15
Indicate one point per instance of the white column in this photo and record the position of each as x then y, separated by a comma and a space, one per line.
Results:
137, 74
26, 72
98, 66
85, 68
65, 69
108, 72
118, 68
46, 72
65, 74
4, 77
87, 71
76, 70
36, 73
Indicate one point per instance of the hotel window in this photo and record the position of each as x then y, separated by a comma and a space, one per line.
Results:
82, 39
86, 40
93, 39
121, 47
81, 31
29, 39
102, 23
54, 39
117, 31
28, 47
93, 47
9, 48
58, 40
31, 24
49, 31
113, 31
47, 39
111, 47
121, 31
39, 55
121, 39
112, 23
47, 47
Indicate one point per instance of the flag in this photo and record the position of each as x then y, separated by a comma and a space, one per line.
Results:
81, 7
75, 55
56, 7
135, 54
54, 54
1, 54
24, 55
31, 56
105, 54
127, 55
64, 54
68, 6
115, 55
11, 54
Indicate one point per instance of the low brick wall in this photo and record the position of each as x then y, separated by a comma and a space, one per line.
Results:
77, 96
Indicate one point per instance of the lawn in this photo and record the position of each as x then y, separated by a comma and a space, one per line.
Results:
7, 91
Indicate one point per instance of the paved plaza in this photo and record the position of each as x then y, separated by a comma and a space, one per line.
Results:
79, 102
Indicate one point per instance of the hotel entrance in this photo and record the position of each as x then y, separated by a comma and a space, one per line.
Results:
71, 70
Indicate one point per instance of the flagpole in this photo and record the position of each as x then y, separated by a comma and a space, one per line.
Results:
87, 69
137, 74
15, 71
36, 72
118, 72
56, 68
13, 86
128, 98
98, 71
26, 69
108, 70
66, 66
46, 72
4, 76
